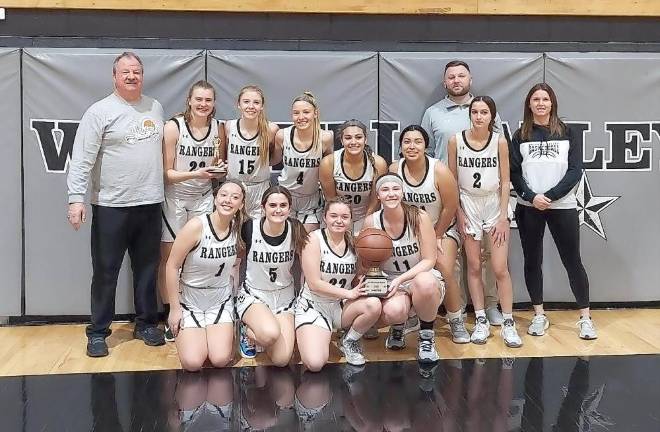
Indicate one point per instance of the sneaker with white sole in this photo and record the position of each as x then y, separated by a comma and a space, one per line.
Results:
587, 329
352, 350
494, 316
411, 325
539, 325
510, 334
247, 348
481, 331
426, 352
395, 339
459, 333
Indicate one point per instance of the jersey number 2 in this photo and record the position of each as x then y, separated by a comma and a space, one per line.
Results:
477, 180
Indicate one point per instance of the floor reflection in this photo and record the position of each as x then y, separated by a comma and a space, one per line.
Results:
538, 394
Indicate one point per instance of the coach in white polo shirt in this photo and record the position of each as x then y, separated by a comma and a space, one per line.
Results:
117, 159
444, 119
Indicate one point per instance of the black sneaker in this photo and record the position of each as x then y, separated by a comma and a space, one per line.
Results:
96, 346
152, 336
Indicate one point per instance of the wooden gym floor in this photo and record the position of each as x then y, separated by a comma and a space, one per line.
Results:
60, 349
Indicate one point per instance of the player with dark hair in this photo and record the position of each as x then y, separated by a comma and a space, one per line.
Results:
266, 299
351, 171
479, 159
327, 301
429, 185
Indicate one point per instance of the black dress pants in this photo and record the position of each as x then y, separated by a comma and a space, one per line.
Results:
116, 230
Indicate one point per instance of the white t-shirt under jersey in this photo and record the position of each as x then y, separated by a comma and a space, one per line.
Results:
478, 170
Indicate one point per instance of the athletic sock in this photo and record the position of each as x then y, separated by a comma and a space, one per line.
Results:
507, 316
426, 325
351, 334
454, 315
480, 313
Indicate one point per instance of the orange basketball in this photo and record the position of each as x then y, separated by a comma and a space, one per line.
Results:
373, 246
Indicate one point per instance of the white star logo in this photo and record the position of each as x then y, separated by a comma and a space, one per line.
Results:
590, 206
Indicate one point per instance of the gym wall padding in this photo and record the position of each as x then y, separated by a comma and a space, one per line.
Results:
59, 85
615, 96
619, 246
411, 82
345, 84
11, 249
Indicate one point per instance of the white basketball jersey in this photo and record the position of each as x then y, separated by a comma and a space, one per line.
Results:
243, 157
357, 190
425, 195
405, 250
190, 155
300, 172
478, 170
210, 263
338, 270
269, 266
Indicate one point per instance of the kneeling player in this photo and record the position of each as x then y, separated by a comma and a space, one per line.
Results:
201, 317
414, 283
327, 301
266, 300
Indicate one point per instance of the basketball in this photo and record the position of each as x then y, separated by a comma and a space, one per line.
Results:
373, 245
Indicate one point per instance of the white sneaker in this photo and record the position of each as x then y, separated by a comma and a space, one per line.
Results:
459, 333
352, 350
510, 335
539, 325
426, 352
587, 329
481, 331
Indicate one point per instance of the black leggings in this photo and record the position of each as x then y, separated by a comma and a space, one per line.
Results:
564, 227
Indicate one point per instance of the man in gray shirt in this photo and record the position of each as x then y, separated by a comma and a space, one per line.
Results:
118, 147
444, 119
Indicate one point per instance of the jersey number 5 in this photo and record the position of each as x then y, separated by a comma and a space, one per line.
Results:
272, 274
